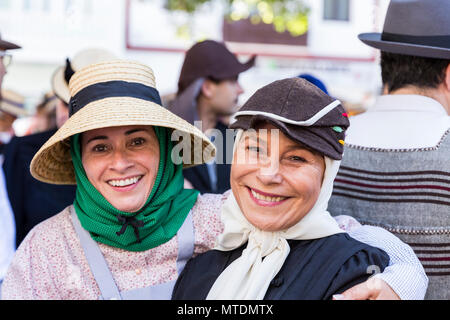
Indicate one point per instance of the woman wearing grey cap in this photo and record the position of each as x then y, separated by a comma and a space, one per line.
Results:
279, 241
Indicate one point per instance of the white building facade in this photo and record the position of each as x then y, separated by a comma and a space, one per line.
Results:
51, 30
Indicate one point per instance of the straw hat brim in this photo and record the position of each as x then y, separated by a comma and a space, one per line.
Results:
13, 103
13, 110
59, 86
53, 162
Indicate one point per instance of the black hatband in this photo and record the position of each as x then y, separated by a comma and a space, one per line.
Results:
432, 41
111, 89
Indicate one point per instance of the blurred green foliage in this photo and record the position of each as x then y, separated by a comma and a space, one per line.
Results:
284, 15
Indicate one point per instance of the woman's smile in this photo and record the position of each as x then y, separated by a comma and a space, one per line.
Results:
124, 184
266, 199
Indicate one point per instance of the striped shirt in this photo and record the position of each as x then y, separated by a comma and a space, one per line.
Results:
395, 174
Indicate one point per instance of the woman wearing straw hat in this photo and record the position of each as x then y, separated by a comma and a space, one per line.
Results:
131, 217
132, 226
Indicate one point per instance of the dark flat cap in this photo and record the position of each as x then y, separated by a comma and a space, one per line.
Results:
210, 58
301, 111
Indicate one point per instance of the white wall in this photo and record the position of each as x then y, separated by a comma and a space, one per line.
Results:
67, 26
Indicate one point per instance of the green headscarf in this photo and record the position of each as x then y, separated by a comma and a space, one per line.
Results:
154, 224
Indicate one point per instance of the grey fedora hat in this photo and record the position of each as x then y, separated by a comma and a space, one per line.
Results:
414, 27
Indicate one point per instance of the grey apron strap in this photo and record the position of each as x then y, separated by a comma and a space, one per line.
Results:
104, 278
97, 262
163, 291
186, 242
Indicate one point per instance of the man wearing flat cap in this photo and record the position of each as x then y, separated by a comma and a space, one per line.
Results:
7, 223
208, 91
395, 171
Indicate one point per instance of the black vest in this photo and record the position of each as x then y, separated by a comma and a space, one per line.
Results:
313, 270
198, 176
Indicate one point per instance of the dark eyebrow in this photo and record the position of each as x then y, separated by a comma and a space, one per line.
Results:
295, 147
97, 138
135, 130
126, 133
299, 146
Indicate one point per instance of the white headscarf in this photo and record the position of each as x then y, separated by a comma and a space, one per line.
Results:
249, 276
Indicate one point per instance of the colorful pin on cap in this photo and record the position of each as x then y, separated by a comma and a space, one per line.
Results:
341, 142
338, 129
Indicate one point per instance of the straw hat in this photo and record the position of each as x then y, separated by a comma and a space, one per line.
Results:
48, 103
13, 103
109, 94
61, 76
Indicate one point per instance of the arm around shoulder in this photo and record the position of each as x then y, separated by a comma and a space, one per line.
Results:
404, 274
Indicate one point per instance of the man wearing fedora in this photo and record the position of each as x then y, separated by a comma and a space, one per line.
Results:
395, 171
208, 92
23, 190
7, 224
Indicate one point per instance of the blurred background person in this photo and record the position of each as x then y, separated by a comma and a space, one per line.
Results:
11, 107
396, 168
7, 224
315, 81
44, 117
23, 190
208, 90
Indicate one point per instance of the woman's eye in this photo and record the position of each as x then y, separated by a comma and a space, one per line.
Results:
100, 148
297, 159
138, 142
253, 148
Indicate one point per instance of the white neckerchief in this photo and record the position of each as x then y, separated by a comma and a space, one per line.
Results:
249, 276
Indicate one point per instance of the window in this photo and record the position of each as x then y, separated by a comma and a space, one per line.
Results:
68, 5
26, 5
88, 7
336, 10
4, 4
46, 5
245, 31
